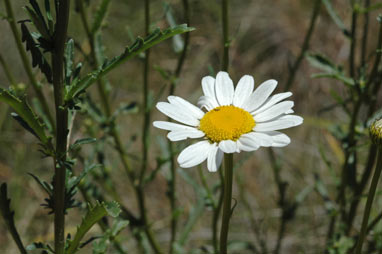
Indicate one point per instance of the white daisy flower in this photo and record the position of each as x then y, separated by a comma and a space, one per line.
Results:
234, 120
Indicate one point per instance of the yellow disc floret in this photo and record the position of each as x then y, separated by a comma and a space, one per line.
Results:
226, 123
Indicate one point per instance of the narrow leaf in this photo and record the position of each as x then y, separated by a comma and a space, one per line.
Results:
337, 20
99, 16
139, 46
25, 112
8, 215
37, 57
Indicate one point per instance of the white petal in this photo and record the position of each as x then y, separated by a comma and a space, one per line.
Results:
279, 139
208, 86
207, 102
184, 134
171, 126
224, 89
228, 146
259, 138
177, 114
243, 90
290, 111
247, 144
194, 154
283, 122
186, 106
272, 101
274, 111
214, 159
260, 95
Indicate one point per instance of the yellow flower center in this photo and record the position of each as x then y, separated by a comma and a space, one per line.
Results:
226, 123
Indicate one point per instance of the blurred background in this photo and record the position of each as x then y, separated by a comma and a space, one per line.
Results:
267, 37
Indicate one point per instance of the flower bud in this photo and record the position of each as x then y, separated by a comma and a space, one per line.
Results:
376, 132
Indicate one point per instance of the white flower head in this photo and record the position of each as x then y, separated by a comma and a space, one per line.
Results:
236, 119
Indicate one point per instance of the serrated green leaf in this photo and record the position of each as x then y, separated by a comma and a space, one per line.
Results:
8, 215
38, 23
49, 16
94, 214
100, 15
139, 46
44, 185
82, 141
337, 20
37, 57
25, 112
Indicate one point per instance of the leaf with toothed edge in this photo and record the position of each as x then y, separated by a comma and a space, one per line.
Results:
25, 112
139, 46
38, 58
95, 213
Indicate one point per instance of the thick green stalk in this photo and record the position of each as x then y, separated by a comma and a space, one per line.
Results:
369, 202
36, 86
172, 187
62, 20
305, 45
216, 215
365, 33
227, 211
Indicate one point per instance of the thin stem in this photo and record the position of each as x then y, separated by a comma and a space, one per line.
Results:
353, 43
62, 21
216, 214
365, 33
36, 86
227, 211
369, 202
226, 41
305, 45
138, 189
172, 187
7, 71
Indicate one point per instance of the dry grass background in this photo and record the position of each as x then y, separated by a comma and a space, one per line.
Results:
266, 37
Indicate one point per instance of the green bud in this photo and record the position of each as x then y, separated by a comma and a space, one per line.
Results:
376, 132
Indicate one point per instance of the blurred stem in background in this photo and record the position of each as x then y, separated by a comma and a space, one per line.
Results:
305, 45
139, 184
59, 38
12, 81
226, 184
288, 208
146, 140
176, 75
36, 86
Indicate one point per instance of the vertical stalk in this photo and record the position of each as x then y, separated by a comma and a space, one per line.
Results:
146, 139
7, 71
228, 176
365, 33
226, 41
369, 202
62, 20
305, 45
172, 186
353, 42
24, 58
216, 214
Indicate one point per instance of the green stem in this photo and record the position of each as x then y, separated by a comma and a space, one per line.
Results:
353, 43
305, 45
7, 71
216, 214
36, 86
226, 41
227, 211
365, 33
62, 21
172, 187
369, 202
